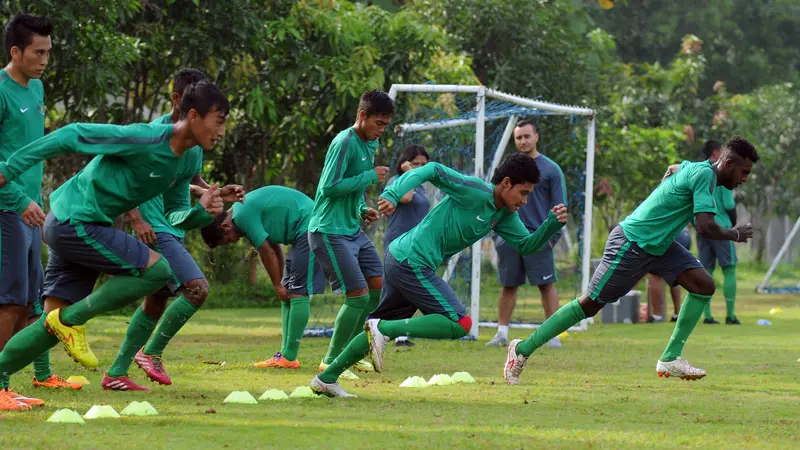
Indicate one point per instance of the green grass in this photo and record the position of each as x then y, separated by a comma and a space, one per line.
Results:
599, 391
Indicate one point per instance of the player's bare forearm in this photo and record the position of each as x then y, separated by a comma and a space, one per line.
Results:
134, 215
281, 259
707, 227
196, 191
271, 263
197, 180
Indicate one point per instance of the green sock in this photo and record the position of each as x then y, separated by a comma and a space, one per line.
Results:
286, 308
357, 349
174, 318
372, 305
139, 330
431, 326
566, 316
729, 289
5, 380
24, 347
41, 366
707, 309
346, 322
118, 291
691, 311
298, 318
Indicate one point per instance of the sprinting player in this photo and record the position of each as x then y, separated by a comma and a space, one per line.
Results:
135, 163
348, 258
272, 216
28, 44
656, 284
151, 225
644, 243
471, 209
539, 268
411, 209
709, 252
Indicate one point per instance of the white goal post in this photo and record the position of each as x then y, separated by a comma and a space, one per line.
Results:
762, 287
481, 93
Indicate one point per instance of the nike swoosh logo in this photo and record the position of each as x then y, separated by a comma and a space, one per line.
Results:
23, 110
153, 175
547, 277
479, 218
364, 158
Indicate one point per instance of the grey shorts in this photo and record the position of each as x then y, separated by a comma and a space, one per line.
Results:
181, 263
710, 251
513, 268
625, 263
407, 289
80, 252
347, 261
21, 274
302, 273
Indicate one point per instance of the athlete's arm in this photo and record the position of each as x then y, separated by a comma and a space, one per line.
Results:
513, 231
272, 264
461, 188
178, 206
143, 231
335, 185
707, 227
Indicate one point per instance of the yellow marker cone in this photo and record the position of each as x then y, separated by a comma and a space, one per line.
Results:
78, 379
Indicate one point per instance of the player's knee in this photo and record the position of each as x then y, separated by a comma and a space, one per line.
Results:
159, 271
705, 286
196, 291
466, 323
590, 307
375, 283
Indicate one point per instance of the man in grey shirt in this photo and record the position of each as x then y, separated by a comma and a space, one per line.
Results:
539, 268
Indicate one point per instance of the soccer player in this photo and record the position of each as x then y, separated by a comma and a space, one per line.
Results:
539, 268
272, 216
411, 209
645, 243
709, 252
28, 44
135, 163
152, 226
656, 284
471, 209
349, 259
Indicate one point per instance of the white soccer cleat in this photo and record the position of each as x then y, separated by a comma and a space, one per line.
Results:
554, 343
498, 341
328, 389
377, 343
679, 368
514, 363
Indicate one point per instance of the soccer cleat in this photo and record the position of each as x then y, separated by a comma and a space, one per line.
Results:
30, 401
498, 341
153, 368
121, 383
734, 321
674, 318
278, 362
377, 343
403, 343
364, 366
346, 375
73, 338
514, 363
8, 403
55, 382
328, 389
679, 368
554, 343
711, 321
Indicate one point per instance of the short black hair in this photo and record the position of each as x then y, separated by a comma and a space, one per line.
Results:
21, 28
519, 168
376, 103
742, 148
409, 153
186, 77
710, 146
524, 122
212, 233
203, 97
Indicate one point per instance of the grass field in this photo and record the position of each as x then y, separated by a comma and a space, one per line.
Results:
599, 391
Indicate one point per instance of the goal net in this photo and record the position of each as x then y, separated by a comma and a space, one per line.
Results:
783, 276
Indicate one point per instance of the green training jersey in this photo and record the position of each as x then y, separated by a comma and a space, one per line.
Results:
463, 217
723, 197
135, 164
348, 171
21, 122
671, 206
154, 210
275, 214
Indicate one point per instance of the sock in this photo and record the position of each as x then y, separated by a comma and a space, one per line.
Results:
24, 347
566, 316
729, 289
502, 330
118, 291
139, 330
356, 350
298, 318
174, 318
286, 308
346, 321
41, 366
372, 305
691, 310
4, 381
431, 326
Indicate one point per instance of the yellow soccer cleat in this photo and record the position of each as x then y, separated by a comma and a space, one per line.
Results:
73, 338
364, 366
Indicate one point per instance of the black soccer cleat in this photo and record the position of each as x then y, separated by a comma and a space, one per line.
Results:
404, 343
734, 321
711, 321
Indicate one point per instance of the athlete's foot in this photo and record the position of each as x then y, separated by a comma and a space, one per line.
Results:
377, 343
364, 366
121, 383
74, 339
278, 362
346, 375
403, 343
8, 403
55, 382
679, 368
498, 341
674, 318
30, 401
554, 343
328, 389
153, 368
734, 321
710, 321
514, 363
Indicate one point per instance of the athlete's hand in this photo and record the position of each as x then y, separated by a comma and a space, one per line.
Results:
232, 193
386, 207
381, 171
143, 231
745, 232
33, 216
282, 293
370, 215
406, 166
670, 171
561, 213
212, 200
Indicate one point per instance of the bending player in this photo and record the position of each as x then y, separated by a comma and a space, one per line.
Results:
471, 209
645, 243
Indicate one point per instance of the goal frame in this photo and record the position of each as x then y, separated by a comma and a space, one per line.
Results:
481, 93
762, 287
